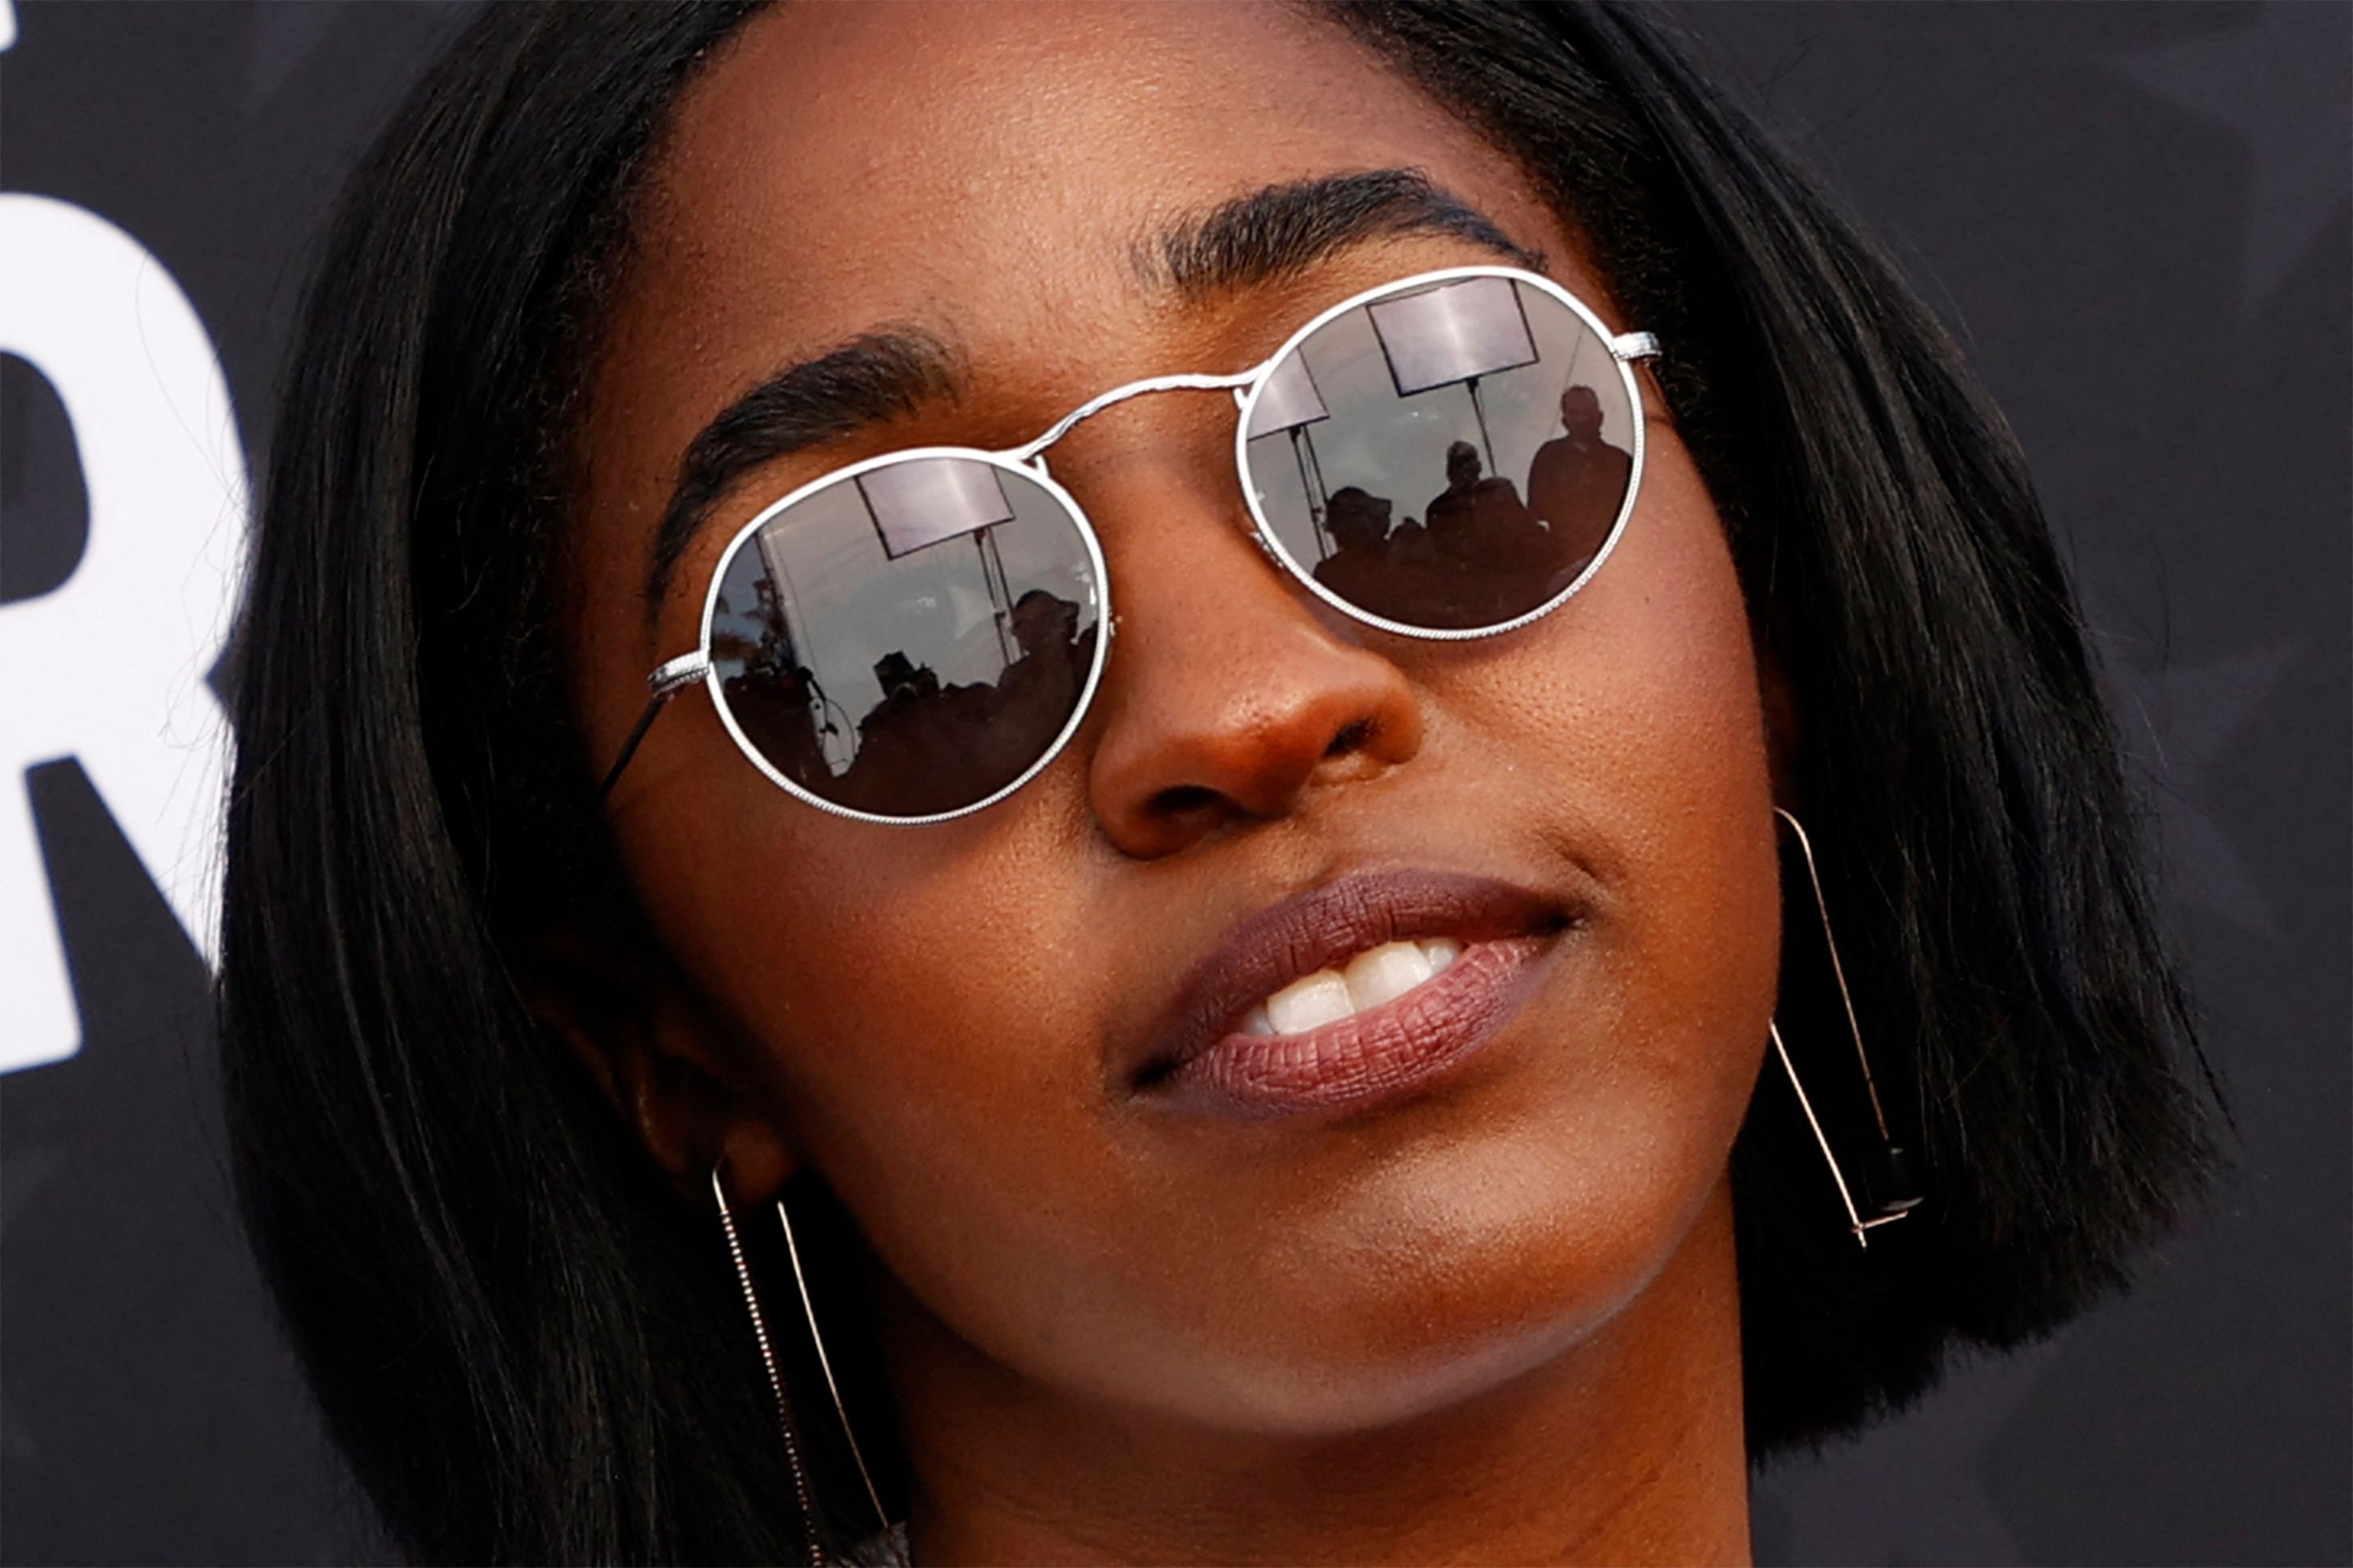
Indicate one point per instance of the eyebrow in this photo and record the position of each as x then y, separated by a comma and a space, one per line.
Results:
1280, 231
1267, 235
877, 376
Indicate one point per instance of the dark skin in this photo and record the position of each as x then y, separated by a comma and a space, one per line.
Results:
1494, 1321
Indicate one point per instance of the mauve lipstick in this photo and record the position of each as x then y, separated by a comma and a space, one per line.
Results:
1200, 1058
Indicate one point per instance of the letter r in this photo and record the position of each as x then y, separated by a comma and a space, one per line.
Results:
110, 667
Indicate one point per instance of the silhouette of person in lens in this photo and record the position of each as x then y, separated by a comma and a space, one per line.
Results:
1037, 691
1484, 542
1577, 483
915, 746
1359, 568
927, 747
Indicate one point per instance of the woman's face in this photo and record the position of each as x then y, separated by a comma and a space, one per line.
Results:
962, 1026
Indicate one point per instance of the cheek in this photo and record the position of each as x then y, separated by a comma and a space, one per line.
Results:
1633, 729
877, 977
1642, 712
915, 1008
1630, 734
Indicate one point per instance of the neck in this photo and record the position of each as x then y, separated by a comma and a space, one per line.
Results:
1625, 1448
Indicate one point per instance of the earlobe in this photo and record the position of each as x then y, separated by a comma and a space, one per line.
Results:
1784, 720
1784, 728
653, 1051
755, 1160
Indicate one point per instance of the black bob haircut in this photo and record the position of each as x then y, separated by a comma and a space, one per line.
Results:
530, 1346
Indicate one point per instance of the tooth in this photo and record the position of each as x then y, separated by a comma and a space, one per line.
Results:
1442, 952
1379, 974
1310, 1002
1256, 1021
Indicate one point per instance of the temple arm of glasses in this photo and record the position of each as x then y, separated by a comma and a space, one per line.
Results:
1629, 345
665, 682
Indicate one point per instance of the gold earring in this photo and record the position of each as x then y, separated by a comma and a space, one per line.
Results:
776, 1383
825, 1361
1894, 1188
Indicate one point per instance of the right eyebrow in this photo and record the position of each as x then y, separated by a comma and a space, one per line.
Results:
879, 375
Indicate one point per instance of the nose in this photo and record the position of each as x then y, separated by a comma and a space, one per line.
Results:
1228, 699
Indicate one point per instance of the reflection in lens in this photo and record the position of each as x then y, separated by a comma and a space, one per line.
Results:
1450, 459
909, 640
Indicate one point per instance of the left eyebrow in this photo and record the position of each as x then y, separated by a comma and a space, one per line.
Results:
875, 377
1280, 231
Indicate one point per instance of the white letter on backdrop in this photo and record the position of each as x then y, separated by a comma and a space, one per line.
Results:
110, 668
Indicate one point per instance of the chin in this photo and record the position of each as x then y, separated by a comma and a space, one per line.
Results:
1454, 1276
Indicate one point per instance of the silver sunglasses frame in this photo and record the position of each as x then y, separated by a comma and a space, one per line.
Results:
1028, 461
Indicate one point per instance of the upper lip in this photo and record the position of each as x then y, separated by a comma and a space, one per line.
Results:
1320, 928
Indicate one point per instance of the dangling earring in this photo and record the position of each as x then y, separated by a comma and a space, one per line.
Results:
792, 1248
776, 1383
1895, 1191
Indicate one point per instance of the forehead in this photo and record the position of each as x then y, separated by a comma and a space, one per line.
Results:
966, 165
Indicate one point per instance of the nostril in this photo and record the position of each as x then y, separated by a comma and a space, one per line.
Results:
1184, 801
1353, 737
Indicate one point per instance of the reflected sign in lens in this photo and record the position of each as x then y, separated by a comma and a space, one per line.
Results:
1453, 333
921, 503
1289, 400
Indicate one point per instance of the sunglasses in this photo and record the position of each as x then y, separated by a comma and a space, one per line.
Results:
913, 638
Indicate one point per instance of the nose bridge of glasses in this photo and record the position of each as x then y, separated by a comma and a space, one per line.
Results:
1237, 382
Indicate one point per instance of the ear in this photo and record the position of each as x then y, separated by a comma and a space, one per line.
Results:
649, 1042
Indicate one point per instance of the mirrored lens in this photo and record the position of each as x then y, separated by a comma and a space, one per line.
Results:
1448, 457
910, 640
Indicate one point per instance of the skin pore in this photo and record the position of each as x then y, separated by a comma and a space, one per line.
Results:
1496, 1320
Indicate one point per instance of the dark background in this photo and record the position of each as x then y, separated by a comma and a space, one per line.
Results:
2134, 217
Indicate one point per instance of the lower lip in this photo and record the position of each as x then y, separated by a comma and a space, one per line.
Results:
1369, 1058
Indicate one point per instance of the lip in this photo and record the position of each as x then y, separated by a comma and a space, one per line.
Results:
1197, 1059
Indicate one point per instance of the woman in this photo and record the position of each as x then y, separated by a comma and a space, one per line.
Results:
1338, 1091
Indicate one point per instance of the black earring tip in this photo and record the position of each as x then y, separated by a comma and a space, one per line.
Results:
1893, 1178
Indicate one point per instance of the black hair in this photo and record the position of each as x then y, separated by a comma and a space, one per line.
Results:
530, 1346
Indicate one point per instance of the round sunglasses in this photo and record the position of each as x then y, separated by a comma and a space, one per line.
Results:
913, 638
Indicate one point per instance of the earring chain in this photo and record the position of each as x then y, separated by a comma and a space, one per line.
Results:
776, 1383
1895, 1205
1838, 970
